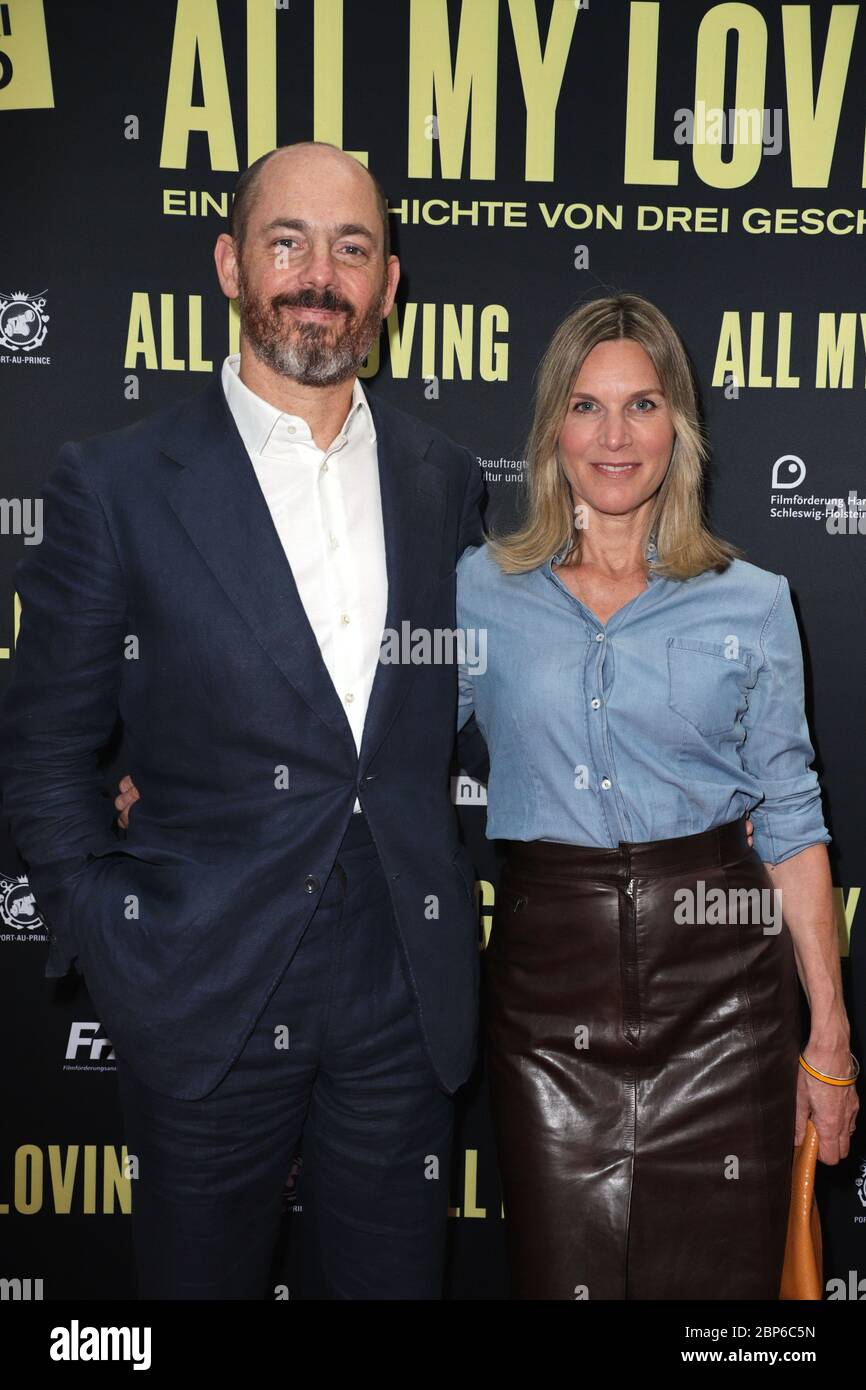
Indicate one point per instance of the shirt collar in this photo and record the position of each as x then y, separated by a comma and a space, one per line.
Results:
259, 422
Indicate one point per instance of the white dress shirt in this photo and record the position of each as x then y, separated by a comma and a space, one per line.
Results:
327, 510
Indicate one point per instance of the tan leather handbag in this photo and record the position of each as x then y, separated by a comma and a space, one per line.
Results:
802, 1272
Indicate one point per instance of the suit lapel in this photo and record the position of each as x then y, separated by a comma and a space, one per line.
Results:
217, 499
413, 517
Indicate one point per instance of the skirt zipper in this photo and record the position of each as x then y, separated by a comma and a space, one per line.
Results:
628, 969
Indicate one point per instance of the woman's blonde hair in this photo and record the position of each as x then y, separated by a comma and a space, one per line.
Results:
685, 547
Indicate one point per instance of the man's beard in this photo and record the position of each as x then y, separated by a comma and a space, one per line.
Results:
313, 354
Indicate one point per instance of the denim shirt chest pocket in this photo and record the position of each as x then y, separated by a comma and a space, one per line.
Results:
708, 685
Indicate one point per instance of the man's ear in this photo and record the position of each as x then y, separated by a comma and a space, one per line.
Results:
225, 259
392, 276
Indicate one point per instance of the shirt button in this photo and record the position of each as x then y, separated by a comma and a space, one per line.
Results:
599, 637
349, 698
344, 618
311, 884
324, 468
595, 704
606, 783
292, 429
334, 541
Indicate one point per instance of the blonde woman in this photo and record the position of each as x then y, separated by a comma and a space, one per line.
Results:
643, 692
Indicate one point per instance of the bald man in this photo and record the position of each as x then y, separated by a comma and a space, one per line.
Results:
285, 945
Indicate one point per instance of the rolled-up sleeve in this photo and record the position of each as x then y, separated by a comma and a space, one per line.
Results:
777, 750
466, 698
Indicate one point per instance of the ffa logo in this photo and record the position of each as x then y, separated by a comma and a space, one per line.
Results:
22, 320
18, 904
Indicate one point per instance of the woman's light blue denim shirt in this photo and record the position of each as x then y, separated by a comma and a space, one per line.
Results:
683, 712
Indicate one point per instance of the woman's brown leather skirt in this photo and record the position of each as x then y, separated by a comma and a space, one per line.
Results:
642, 1046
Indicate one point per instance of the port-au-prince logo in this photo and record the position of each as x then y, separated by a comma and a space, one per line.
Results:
18, 906
23, 320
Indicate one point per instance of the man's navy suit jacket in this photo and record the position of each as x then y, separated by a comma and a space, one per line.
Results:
160, 594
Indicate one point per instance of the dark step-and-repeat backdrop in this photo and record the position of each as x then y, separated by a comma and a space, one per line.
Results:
535, 153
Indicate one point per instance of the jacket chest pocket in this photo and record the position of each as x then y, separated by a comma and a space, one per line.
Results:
706, 686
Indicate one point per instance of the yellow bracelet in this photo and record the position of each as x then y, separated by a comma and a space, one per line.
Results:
832, 1080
